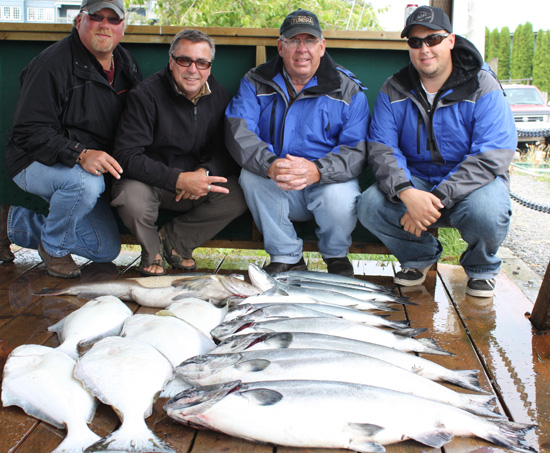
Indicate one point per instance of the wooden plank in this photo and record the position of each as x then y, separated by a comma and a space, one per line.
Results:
517, 360
540, 316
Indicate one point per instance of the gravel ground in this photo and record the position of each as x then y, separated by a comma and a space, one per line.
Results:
529, 235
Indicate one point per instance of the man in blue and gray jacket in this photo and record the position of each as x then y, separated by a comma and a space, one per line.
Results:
298, 128
440, 144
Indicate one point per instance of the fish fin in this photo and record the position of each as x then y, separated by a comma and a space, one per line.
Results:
467, 379
434, 439
262, 397
252, 366
410, 332
360, 438
433, 348
58, 329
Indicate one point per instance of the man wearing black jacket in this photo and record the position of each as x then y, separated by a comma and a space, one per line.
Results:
170, 143
71, 97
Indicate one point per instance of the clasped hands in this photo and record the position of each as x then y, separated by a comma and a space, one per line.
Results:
293, 173
423, 210
195, 184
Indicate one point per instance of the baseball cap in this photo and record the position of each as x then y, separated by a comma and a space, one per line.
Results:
428, 16
93, 6
301, 21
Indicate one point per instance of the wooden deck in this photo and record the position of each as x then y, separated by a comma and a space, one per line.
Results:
492, 335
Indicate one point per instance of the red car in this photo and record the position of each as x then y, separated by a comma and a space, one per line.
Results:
531, 113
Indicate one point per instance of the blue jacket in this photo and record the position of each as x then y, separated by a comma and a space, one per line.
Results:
466, 141
327, 122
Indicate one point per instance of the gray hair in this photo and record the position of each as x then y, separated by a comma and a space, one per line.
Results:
193, 36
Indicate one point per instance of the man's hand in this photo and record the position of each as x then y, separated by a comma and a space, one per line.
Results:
422, 210
195, 184
97, 162
294, 173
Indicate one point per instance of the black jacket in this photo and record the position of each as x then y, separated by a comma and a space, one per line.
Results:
66, 104
162, 133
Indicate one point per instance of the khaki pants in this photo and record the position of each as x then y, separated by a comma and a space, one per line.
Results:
138, 206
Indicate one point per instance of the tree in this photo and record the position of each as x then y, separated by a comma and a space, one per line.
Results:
515, 67
333, 14
492, 44
527, 50
504, 54
487, 43
541, 62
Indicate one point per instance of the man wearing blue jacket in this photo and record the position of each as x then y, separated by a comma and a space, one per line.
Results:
298, 128
440, 144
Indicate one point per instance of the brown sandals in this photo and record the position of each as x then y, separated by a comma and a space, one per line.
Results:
175, 260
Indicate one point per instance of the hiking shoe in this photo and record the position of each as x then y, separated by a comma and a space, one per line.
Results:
6, 254
411, 276
340, 266
481, 288
63, 267
275, 267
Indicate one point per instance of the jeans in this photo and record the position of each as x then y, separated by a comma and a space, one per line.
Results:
332, 206
79, 221
482, 218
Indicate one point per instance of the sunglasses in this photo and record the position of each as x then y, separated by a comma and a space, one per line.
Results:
431, 40
99, 18
186, 62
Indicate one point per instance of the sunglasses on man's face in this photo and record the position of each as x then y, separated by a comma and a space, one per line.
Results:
186, 62
431, 40
99, 18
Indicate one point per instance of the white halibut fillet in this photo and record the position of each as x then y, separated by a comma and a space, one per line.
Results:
97, 319
39, 379
127, 375
322, 414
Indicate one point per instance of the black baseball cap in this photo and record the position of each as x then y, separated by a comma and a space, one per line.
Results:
427, 16
301, 21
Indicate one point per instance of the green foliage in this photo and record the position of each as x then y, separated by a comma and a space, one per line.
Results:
333, 14
515, 68
487, 39
504, 54
541, 61
492, 45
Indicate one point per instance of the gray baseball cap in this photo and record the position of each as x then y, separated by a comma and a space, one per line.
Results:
93, 6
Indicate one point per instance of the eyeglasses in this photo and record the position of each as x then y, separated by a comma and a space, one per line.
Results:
295, 43
99, 18
186, 62
431, 40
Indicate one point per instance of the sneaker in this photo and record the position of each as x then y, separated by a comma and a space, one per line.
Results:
481, 288
63, 267
275, 267
6, 254
340, 266
411, 276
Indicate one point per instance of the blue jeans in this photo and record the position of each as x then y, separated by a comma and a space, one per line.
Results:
332, 206
79, 221
482, 218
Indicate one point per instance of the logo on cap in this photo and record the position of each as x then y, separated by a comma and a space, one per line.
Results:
423, 16
299, 20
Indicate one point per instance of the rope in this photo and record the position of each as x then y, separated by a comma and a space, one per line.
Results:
530, 204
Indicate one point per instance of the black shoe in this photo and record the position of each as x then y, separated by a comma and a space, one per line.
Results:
6, 254
411, 276
274, 267
481, 288
340, 266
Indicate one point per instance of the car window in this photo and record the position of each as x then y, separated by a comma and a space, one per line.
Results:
516, 96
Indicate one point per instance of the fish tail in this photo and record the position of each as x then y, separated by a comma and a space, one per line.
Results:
410, 332
77, 443
467, 379
431, 347
481, 405
130, 440
510, 435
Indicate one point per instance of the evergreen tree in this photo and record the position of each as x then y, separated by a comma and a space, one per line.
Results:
487, 43
494, 43
515, 67
541, 62
527, 50
504, 54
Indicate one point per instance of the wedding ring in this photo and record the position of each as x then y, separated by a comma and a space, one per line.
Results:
209, 187
192, 197
97, 173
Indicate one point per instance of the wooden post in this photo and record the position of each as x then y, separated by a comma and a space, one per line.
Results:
540, 317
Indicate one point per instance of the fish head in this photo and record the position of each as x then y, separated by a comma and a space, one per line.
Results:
238, 287
194, 401
237, 343
260, 278
225, 329
236, 311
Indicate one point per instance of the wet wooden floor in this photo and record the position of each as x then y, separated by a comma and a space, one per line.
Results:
492, 335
